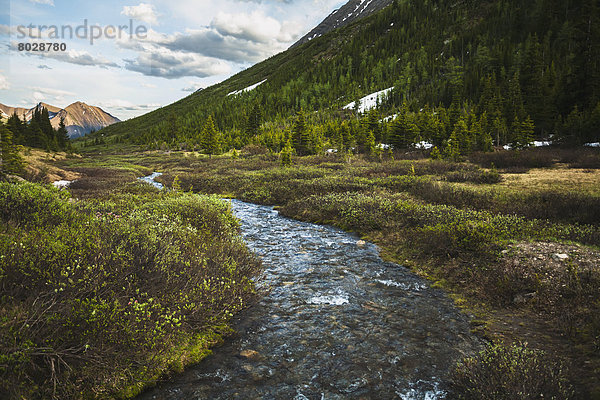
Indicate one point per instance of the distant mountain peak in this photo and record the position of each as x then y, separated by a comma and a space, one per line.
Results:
349, 12
79, 117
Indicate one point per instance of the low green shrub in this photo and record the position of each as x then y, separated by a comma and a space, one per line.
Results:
97, 296
510, 372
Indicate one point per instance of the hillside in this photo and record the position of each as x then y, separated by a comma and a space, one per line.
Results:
501, 70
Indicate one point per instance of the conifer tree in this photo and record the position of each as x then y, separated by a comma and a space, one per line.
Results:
62, 135
522, 133
210, 137
285, 156
300, 134
253, 121
10, 160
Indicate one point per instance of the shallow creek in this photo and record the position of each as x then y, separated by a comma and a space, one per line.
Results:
335, 322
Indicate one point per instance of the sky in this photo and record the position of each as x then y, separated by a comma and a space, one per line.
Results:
131, 57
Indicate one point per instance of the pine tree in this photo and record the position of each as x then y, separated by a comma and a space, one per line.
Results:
481, 131
285, 156
403, 131
300, 134
461, 138
522, 133
210, 137
62, 135
253, 122
10, 160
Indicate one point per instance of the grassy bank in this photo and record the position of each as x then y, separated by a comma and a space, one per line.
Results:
102, 297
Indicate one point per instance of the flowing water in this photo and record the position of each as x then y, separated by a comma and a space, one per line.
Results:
335, 322
150, 179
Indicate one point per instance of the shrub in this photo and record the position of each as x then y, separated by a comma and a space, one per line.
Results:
100, 295
510, 372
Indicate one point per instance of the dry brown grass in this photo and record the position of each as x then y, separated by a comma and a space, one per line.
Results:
558, 178
41, 164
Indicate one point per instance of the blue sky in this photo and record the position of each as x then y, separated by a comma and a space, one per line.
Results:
183, 45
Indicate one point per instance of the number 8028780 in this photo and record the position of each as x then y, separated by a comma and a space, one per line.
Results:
42, 46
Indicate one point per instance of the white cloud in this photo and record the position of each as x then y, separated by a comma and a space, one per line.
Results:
4, 84
5, 30
52, 92
49, 94
73, 56
192, 87
47, 2
160, 61
143, 12
125, 105
149, 85
255, 26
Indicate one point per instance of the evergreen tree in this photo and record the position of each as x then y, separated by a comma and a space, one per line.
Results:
481, 132
210, 137
300, 134
62, 135
285, 156
253, 122
403, 131
522, 133
10, 160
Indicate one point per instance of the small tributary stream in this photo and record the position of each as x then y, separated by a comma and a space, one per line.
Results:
335, 322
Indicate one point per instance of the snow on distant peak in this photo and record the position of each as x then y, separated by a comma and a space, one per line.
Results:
248, 89
370, 101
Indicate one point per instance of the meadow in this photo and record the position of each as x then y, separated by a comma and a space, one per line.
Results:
513, 238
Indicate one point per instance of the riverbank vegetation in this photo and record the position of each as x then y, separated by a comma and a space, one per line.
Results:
101, 297
515, 244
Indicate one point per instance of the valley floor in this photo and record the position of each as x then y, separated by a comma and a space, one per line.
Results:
517, 247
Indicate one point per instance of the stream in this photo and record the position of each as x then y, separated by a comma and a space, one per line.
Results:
335, 322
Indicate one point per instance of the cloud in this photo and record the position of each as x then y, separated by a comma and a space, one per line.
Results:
142, 12
5, 30
169, 64
267, 1
80, 58
229, 39
4, 84
52, 92
43, 66
211, 43
239, 38
192, 88
73, 57
46, 2
149, 85
125, 105
48, 94
255, 26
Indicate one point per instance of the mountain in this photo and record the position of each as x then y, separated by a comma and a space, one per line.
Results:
349, 12
80, 118
467, 71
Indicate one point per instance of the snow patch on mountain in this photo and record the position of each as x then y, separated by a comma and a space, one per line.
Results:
369, 101
248, 89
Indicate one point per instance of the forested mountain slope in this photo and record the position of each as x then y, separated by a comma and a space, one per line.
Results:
464, 73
